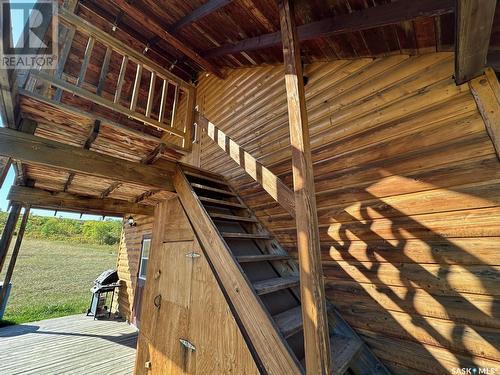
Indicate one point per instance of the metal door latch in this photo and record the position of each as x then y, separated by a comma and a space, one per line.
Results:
187, 345
192, 254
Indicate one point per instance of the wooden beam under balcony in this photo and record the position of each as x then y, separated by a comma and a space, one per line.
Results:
70, 202
41, 151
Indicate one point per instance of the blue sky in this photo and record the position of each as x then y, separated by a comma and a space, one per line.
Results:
17, 27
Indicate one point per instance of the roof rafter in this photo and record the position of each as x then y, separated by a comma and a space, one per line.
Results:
200, 12
402, 10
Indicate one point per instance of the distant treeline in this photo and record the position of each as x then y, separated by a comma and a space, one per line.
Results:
106, 232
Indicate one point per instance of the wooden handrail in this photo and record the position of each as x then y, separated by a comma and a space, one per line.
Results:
87, 28
271, 183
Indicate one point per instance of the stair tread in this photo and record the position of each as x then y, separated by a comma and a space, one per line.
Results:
212, 189
207, 178
246, 235
289, 322
343, 350
221, 202
232, 217
261, 258
275, 284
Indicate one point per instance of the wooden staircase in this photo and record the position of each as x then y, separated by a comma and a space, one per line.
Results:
271, 274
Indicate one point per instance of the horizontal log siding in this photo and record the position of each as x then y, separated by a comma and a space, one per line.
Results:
128, 262
408, 192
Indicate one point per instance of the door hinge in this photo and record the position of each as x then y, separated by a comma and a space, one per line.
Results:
192, 254
187, 344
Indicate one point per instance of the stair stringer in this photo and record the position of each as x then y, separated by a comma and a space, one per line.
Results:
255, 323
365, 362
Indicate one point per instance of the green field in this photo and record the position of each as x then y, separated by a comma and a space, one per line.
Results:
53, 278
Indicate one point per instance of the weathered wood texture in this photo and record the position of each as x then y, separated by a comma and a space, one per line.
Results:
45, 152
15, 254
72, 344
39, 198
312, 287
182, 299
407, 189
486, 91
474, 21
271, 184
127, 263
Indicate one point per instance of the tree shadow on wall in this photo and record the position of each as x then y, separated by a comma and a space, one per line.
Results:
390, 291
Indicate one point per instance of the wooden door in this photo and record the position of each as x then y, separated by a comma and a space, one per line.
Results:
182, 301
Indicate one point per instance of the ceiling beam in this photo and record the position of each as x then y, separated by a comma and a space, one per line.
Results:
60, 201
474, 20
150, 24
200, 12
36, 150
383, 15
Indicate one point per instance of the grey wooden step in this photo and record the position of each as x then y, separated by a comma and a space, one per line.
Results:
289, 322
212, 189
273, 285
245, 219
343, 350
261, 258
206, 178
218, 202
247, 236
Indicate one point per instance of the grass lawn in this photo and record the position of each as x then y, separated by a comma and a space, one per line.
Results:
53, 279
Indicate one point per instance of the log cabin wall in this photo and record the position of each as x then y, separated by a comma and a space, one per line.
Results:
128, 263
408, 196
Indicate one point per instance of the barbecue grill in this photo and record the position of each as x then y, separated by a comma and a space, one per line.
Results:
105, 284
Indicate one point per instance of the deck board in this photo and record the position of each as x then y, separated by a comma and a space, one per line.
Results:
70, 345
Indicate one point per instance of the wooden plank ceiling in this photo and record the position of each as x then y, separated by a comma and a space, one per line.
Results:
207, 25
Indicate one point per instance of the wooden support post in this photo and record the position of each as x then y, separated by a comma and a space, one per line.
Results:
5, 163
189, 119
316, 332
8, 231
474, 20
15, 253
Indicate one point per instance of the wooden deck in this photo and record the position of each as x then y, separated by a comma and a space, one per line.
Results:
70, 345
